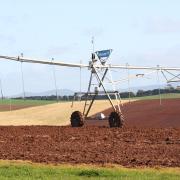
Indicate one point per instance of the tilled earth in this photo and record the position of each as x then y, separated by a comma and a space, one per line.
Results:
5, 107
92, 145
147, 114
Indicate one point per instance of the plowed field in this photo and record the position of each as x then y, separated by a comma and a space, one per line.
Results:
97, 145
148, 114
151, 137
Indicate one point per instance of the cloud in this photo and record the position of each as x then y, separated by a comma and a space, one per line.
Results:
162, 25
60, 50
8, 20
7, 40
94, 31
164, 57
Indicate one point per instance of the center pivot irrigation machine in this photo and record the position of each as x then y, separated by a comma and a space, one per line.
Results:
100, 72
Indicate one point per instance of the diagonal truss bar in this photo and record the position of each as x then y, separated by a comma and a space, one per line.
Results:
173, 78
101, 82
95, 95
164, 75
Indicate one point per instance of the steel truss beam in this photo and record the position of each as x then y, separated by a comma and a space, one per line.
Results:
100, 77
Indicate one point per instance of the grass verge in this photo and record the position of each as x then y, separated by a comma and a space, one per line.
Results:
23, 171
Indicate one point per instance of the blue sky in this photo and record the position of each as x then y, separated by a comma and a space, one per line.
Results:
139, 32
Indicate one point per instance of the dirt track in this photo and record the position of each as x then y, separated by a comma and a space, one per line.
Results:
99, 145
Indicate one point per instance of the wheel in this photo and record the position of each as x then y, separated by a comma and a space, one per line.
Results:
77, 119
116, 119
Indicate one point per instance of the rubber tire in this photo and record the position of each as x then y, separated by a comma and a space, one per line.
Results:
77, 119
116, 120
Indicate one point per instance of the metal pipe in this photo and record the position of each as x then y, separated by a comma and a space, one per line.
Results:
20, 59
88, 66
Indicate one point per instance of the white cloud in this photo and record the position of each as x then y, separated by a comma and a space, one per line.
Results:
61, 50
7, 40
164, 57
94, 31
8, 20
162, 25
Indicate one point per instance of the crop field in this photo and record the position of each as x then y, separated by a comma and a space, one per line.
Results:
148, 114
120, 59
163, 96
15, 104
25, 102
129, 147
145, 148
48, 114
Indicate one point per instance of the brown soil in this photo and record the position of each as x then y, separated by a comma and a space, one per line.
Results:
140, 143
13, 107
98, 145
148, 114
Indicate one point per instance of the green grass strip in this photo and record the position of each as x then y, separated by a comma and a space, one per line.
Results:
25, 171
25, 102
163, 96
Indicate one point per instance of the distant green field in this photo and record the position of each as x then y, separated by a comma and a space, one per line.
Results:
25, 102
44, 102
163, 96
23, 171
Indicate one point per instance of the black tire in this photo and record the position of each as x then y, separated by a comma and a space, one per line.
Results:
77, 119
116, 119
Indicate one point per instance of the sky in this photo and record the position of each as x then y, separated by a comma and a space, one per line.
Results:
139, 32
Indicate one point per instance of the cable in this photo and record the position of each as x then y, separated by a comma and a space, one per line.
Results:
2, 97
128, 82
10, 104
158, 79
93, 42
22, 78
55, 83
80, 80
